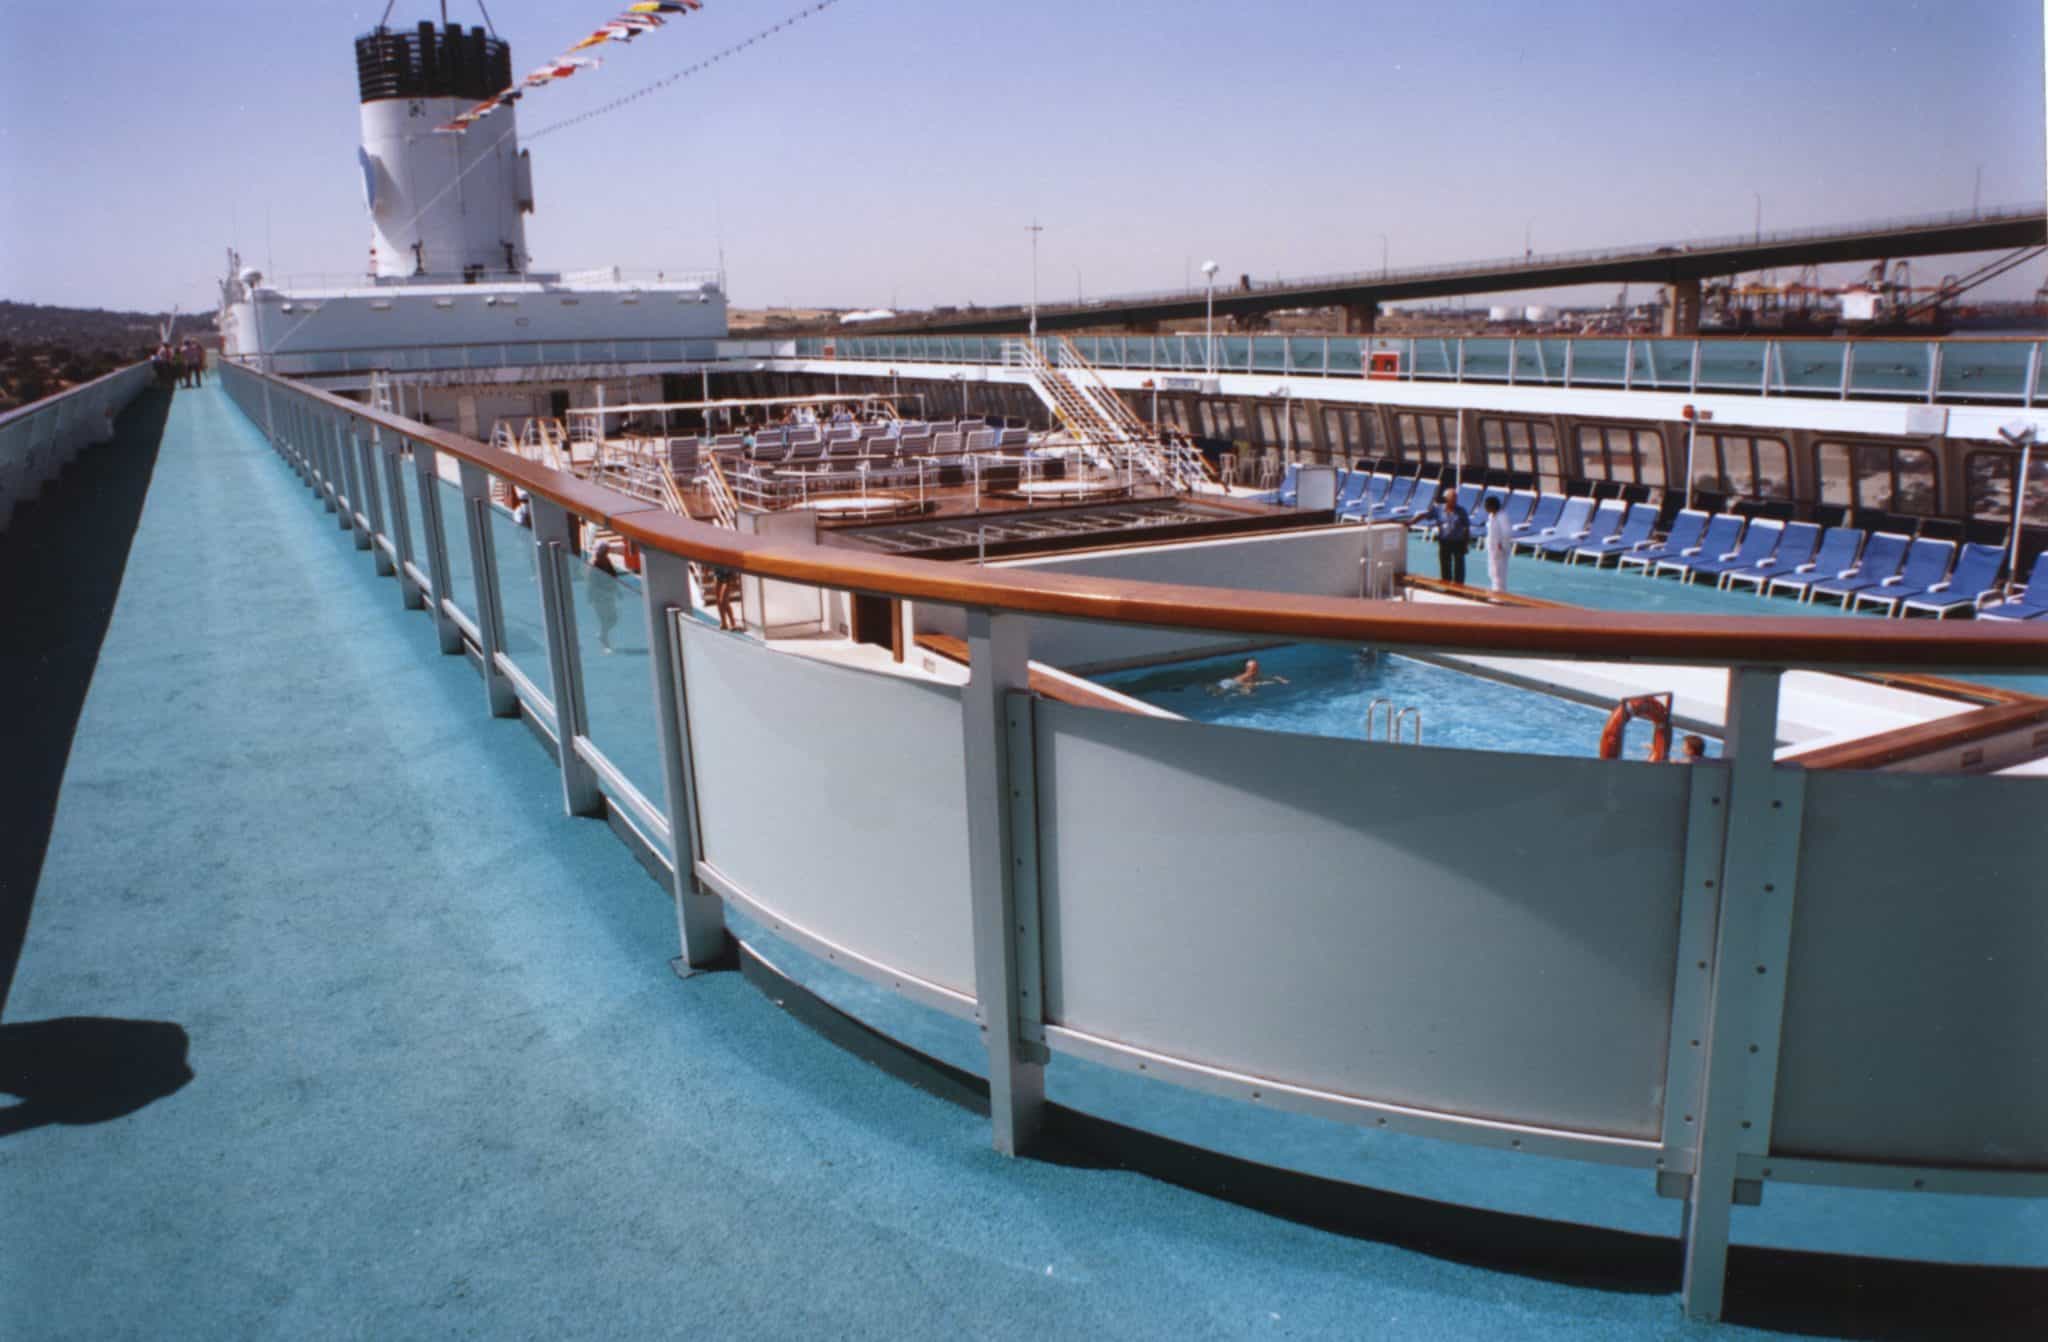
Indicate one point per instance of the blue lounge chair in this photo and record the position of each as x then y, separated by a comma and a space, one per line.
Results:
1543, 515
1686, 529
1723, 534
1605, 521
1976, 573
1350, 490
1634, 535
1289, 492
1394, 500
1795, 547
1837, 555
1421, 498
1375, 489
1880, 560
1518, 507
1571, 521
1926, 564
2022, 603
1759, 541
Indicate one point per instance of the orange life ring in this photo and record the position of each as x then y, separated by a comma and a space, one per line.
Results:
1656, 708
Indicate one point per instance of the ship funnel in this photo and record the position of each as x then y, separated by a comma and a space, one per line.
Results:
450, 206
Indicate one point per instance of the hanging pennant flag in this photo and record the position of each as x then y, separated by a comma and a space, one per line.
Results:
643, 16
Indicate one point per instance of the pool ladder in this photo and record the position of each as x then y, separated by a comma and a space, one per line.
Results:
1397, 719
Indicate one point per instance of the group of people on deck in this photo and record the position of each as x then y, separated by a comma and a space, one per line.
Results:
181, 365
1454, 536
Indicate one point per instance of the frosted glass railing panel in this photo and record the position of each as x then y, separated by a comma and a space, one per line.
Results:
1909, 1035
1269, 353
1890, 366
833, 798
1808, 366
1305, 354
461, 568
1345, 357
1539, 360
1232, 353
1600, 361
1988, 370
618, 698
1345, 933
1734, 364
1486, 360
519, 599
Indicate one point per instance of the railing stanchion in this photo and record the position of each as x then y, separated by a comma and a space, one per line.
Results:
401, 516
483, 559
700, 918
1004, 907
554, 543
354, 515
435, 535
364, 453
1746, 986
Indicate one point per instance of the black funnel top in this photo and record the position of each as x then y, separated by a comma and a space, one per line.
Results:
430, 62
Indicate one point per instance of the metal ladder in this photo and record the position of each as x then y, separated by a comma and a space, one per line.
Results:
1396, 719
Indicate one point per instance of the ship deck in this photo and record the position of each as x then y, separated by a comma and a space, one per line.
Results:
443, 1077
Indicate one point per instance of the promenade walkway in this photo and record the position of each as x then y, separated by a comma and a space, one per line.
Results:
441, 1078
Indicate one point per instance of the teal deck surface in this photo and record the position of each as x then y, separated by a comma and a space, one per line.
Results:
443, 1080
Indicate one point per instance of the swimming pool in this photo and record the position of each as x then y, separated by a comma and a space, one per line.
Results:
1328, 690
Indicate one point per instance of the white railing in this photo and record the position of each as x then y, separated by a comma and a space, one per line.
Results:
40, 439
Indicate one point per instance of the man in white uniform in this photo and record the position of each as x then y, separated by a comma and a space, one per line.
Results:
1498, 544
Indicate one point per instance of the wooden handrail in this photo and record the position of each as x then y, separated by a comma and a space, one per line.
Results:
1724, 640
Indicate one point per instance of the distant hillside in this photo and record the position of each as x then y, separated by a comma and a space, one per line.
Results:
43, 349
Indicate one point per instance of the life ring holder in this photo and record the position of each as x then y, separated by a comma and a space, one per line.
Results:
1656, 708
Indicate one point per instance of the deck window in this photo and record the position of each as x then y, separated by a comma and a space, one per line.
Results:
1880, 476
1743, 466
1987, 481
1630, 454
1426, 437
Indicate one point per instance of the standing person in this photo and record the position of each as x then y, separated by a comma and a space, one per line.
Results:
601, 584
1500, 544
1453, 537
198, 364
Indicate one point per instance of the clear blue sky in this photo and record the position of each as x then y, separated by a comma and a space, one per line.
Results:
894, 150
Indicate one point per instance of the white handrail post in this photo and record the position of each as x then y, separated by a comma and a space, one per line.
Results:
401, 517
365, 451
483, 560
554, 543
700, 918
1746, 989
996, 723
354, 516
435, 532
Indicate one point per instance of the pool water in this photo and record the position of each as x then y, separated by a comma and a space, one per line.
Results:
1328, 690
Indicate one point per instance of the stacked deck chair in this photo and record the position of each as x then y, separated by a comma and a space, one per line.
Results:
1571, 520
1880, 560
1606, 521
1839, 547
1634, 535
1718, 541
2022, 603
1926, 564
1795, 547
1686, 529
1759, 542
1976, 574
770, 446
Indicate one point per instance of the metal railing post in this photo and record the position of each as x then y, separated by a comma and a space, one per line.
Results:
435, 535
1005, 908
554, 543
1933, 371
2033, 373
401, 517
483, 561
364, 454
700, 918
354, 517
1746, 985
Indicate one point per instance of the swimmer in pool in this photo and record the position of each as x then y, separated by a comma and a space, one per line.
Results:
1247, 680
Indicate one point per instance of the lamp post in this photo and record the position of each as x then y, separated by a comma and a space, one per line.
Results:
2021, 435
1034, 228
1383, 256
1209, 321
1758, 235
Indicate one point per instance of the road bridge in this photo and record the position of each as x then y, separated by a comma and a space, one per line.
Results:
1681, 265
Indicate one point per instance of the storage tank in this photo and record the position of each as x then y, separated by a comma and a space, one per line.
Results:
1539, 314
441, 204
1503, 314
